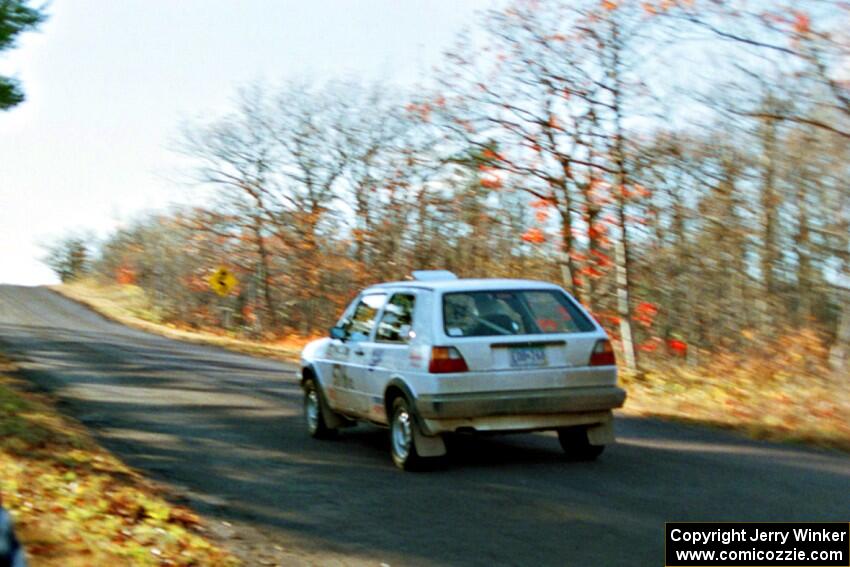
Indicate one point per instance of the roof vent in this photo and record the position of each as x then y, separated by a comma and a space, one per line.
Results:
433, 275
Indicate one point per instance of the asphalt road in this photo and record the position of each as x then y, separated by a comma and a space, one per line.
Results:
226, 430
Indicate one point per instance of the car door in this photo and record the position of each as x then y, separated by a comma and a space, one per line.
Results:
385, 354
351, 353
332, 365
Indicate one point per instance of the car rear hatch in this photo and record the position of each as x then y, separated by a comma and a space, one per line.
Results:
528, 353
522, 339
521, 354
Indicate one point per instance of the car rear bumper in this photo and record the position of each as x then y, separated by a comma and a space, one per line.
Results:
524, 402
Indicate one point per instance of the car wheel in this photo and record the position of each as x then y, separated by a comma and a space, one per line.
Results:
576, 445
402, 437
314, 412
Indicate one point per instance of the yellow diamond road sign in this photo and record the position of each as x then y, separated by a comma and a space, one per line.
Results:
223, 281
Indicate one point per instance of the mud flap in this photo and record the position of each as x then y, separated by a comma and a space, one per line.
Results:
601, 433
428, 445
332, 419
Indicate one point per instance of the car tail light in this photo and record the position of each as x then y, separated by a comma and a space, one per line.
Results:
445, 360
603, 354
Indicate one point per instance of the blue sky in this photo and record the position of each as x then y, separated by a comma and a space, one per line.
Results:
108, 83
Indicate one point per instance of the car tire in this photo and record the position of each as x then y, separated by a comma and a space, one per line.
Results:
402, 436
577, 446
314, 408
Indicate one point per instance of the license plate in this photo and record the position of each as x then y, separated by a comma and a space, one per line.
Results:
527, 357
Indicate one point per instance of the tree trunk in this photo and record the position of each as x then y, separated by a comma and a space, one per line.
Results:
804, 268
265, 274
839, 353
567, 268
622, 259
769, 207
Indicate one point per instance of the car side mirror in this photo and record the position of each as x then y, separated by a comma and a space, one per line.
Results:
338, 333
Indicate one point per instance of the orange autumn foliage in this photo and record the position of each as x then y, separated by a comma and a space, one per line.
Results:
534, 236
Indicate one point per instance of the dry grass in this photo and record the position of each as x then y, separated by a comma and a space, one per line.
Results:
75, 504
780, 390
127, 304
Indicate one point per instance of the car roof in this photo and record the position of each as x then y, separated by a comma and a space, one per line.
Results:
471, 284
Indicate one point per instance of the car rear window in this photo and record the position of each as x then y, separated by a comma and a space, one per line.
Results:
511, 312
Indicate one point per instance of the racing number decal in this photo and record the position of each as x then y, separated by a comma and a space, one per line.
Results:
341, 379
377, 357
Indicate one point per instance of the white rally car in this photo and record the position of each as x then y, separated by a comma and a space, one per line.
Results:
440, 354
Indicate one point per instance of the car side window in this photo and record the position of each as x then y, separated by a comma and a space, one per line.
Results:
397, 320
362, 321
